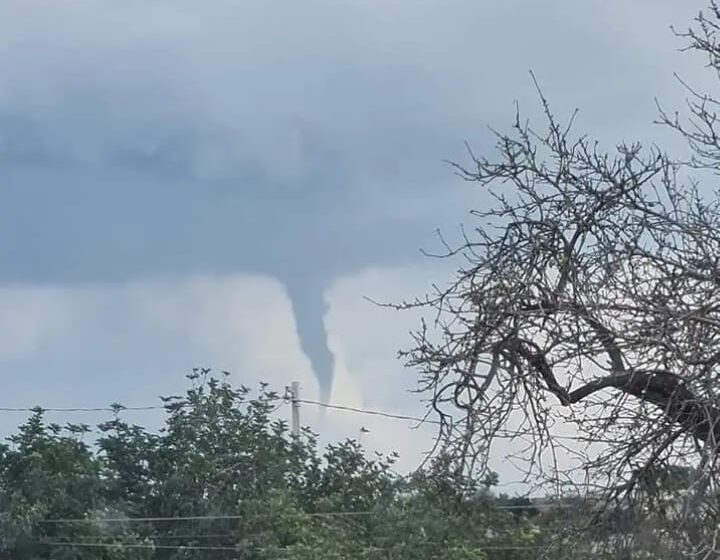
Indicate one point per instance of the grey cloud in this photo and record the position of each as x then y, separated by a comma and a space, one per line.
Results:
164, 138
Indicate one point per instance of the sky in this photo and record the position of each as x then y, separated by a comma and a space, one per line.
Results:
223, 184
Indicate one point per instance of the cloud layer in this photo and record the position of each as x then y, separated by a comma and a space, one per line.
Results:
187, 183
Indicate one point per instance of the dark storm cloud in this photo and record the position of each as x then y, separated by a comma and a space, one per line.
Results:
304, 141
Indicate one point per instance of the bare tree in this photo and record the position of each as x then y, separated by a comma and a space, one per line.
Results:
589, 294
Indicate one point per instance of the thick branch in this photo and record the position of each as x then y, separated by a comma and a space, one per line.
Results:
666, 391
663, 389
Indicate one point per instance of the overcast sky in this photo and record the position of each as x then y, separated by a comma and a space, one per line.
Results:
220, 183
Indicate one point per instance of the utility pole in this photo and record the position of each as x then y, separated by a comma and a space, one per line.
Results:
295, 403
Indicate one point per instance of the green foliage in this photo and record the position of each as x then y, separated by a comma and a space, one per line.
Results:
246, 487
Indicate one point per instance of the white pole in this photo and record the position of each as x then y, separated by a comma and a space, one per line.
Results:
295, 401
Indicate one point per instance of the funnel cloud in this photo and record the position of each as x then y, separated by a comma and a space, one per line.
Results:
309, 307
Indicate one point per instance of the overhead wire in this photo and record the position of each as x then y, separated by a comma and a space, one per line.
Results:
418, 419
151, 546
282, 401
122, 408
370, 412
142, 546
155, 536
160, 519
119, 408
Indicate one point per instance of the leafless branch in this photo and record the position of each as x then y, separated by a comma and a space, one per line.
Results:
593, 279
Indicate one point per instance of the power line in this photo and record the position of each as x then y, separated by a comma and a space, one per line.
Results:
140, 546
158, 536
160, 519
113, 408
119, 408
371, 412
198, 517
150, 546
418, 419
